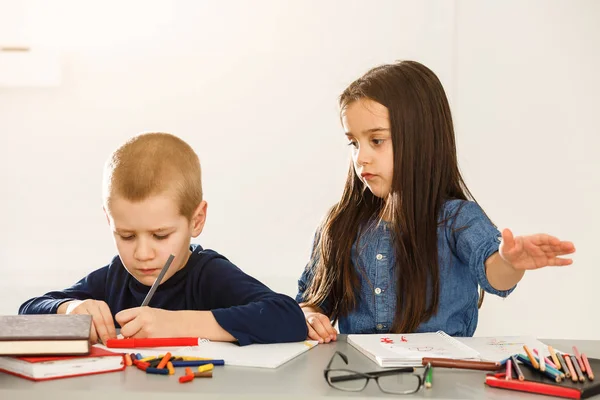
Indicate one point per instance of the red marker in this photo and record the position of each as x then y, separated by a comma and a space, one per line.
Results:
151, 342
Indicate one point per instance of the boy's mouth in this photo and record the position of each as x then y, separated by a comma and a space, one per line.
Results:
148, 271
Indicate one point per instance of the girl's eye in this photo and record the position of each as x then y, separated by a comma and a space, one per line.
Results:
353, 144
377, 142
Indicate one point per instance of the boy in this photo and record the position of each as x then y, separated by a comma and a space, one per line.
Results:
152, 196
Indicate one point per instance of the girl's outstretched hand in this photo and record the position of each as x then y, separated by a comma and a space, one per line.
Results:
534, 251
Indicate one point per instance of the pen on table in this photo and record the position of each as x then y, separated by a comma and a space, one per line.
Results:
461, 364
157, 281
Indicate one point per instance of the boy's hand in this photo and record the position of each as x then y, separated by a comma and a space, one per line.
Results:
143, 322
103, 326
319, 327
535, 251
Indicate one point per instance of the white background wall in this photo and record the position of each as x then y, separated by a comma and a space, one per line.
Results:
253, 87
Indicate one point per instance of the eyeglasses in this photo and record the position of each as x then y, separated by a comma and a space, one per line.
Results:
393, 381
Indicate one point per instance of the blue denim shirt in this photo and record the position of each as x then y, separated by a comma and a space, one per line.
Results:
465, 240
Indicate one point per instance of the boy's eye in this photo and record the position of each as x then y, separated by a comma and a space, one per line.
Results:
161, 237
127, 237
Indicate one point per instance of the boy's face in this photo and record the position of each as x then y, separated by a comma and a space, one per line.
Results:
367, 127
148, 231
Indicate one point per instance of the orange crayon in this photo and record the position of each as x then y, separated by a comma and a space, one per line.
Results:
164, 361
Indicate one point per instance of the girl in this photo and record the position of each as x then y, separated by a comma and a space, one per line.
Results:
406, 247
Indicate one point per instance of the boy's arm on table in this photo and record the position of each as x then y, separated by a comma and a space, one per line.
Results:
241, 308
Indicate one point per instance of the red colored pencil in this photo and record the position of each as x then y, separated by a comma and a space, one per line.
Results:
151, 342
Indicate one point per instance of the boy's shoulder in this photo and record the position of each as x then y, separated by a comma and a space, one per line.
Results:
203, 260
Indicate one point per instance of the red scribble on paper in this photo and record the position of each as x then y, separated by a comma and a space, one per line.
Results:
387, 340
402, 338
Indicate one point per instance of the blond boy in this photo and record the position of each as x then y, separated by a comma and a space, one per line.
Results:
152, 195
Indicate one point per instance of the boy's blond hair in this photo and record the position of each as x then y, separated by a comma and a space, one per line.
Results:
150, 164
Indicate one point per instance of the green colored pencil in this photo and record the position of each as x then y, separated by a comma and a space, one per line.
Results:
429, 378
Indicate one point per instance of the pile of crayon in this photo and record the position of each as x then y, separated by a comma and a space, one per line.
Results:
558, 367
166, 364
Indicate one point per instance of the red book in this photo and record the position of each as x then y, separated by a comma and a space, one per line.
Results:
535, 382
46, 368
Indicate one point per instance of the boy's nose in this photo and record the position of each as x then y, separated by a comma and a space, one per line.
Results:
143, 251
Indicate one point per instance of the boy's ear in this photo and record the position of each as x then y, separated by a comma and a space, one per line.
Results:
199, 218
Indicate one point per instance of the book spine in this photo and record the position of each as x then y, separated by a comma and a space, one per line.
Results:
533, 387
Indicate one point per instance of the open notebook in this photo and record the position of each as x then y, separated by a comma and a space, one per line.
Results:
253, 355
499, 348
407, 350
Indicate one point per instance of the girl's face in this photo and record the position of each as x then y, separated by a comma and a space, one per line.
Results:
367, 126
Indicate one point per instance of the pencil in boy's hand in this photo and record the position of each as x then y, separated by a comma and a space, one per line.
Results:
157, 281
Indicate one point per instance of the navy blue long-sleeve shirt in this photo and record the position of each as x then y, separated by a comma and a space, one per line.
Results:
243, 306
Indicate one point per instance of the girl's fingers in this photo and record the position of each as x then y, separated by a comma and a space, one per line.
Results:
328, 327
312, 334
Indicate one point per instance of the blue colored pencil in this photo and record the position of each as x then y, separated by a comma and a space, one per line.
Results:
548, 372
197, 363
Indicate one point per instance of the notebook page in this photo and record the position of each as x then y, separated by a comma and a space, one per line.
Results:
253, 355
498, 348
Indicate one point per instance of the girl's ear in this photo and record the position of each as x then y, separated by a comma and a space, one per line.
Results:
199, 218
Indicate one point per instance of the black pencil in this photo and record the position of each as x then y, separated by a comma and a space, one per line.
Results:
517, 368
157, 281
563, 365
577, 369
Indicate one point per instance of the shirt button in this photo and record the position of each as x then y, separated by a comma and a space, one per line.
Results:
379, 257
379, 326
377, 291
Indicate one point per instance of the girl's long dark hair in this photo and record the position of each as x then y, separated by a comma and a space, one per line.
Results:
425, 175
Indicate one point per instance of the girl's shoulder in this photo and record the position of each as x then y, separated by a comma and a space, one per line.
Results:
459, 210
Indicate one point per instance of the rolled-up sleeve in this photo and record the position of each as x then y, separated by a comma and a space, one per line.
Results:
475, 239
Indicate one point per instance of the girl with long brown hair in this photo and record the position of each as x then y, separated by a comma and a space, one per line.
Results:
407, 248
